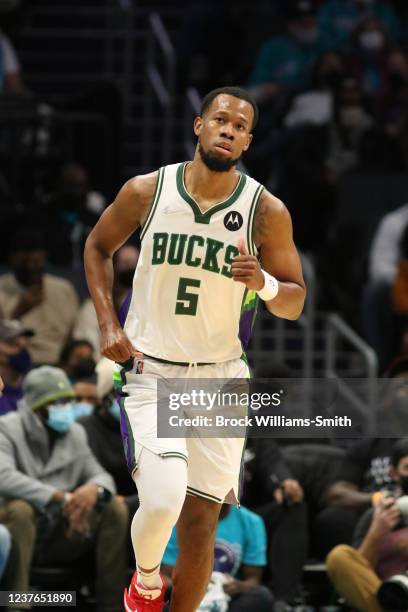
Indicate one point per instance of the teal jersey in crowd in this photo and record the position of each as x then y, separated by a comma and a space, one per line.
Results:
240, 538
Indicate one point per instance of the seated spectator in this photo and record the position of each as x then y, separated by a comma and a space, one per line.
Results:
68, 215
338, 18
363, 473
370, 49
44, 303
384, 257
56, 499
271, 491
103, 431
240, 546
86, 396
77, 359
380, 544
284, 63
15, 362
124, 266
5, 547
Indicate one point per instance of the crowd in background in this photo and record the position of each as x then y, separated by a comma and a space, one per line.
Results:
331, 79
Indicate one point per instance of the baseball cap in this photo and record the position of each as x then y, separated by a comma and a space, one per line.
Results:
11, 328
300, 8
45, 384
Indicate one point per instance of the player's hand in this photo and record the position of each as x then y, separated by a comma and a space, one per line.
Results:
292, 491
247, 269
1, 386
386, 517
115, 344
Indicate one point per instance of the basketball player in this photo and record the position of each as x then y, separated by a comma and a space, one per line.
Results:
213, 241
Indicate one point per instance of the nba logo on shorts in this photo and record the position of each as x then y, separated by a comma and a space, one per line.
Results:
139, 366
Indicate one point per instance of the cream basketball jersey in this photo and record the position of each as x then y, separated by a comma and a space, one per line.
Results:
185, 306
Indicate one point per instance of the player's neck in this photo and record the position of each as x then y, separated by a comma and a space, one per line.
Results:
206, 184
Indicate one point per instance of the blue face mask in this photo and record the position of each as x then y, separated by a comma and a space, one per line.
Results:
60, 417
82, 409
114, 410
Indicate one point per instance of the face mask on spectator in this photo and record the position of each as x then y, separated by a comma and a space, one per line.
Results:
114, 409
21, 361
372, 40
60, 417
404, 484
82, 409
305, 36
83, 368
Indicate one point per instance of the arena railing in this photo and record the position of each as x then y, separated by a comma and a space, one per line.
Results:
160, 86
365, 402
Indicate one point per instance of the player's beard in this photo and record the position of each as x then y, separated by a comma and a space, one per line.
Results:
215, 163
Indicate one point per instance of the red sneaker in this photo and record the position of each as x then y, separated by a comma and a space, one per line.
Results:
144, 599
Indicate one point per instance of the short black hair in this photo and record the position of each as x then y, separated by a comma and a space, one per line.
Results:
70, 346
399, 450
237, 92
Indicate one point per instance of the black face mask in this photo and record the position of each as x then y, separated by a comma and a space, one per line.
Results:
125, 277
84, 368
21, 362
404, 484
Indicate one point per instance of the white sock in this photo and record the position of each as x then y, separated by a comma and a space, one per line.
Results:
161, 484
149, 579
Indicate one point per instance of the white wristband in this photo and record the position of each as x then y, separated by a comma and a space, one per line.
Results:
270, 288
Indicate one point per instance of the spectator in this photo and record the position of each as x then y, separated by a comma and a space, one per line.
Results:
385, 254
86, 396
284, 63
380, 544
77, 359
103, 430
57, 499
5, 547
124, 266
240, 547
338, 18
15, 362
69, 214
271, 491
363, 473
44, 303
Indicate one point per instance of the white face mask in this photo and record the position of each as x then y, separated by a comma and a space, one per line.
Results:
371, 41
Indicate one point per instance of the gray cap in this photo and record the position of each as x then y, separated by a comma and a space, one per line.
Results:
10, 329
45, 384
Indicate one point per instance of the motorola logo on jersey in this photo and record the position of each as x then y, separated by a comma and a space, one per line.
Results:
233, 221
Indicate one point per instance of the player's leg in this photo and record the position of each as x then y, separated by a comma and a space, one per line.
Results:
196, 534
161, 484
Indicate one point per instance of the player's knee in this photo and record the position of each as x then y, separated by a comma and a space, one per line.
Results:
337, 559
165, 509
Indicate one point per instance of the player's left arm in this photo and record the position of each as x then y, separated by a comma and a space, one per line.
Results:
278, 256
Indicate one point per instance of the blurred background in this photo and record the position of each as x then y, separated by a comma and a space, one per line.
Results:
95, 92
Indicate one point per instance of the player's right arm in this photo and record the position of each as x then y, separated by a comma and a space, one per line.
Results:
128, 211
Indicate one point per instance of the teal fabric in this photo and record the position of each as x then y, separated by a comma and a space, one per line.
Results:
240, 539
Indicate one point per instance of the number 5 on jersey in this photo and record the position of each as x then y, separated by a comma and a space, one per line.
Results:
186, 300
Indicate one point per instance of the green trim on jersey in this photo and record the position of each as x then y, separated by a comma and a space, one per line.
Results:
205, 217
251, 217
156, 198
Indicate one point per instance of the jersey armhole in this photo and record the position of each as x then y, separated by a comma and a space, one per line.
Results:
252, 212
153, 206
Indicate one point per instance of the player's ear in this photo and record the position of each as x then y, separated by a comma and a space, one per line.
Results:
198, 124
249, 140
